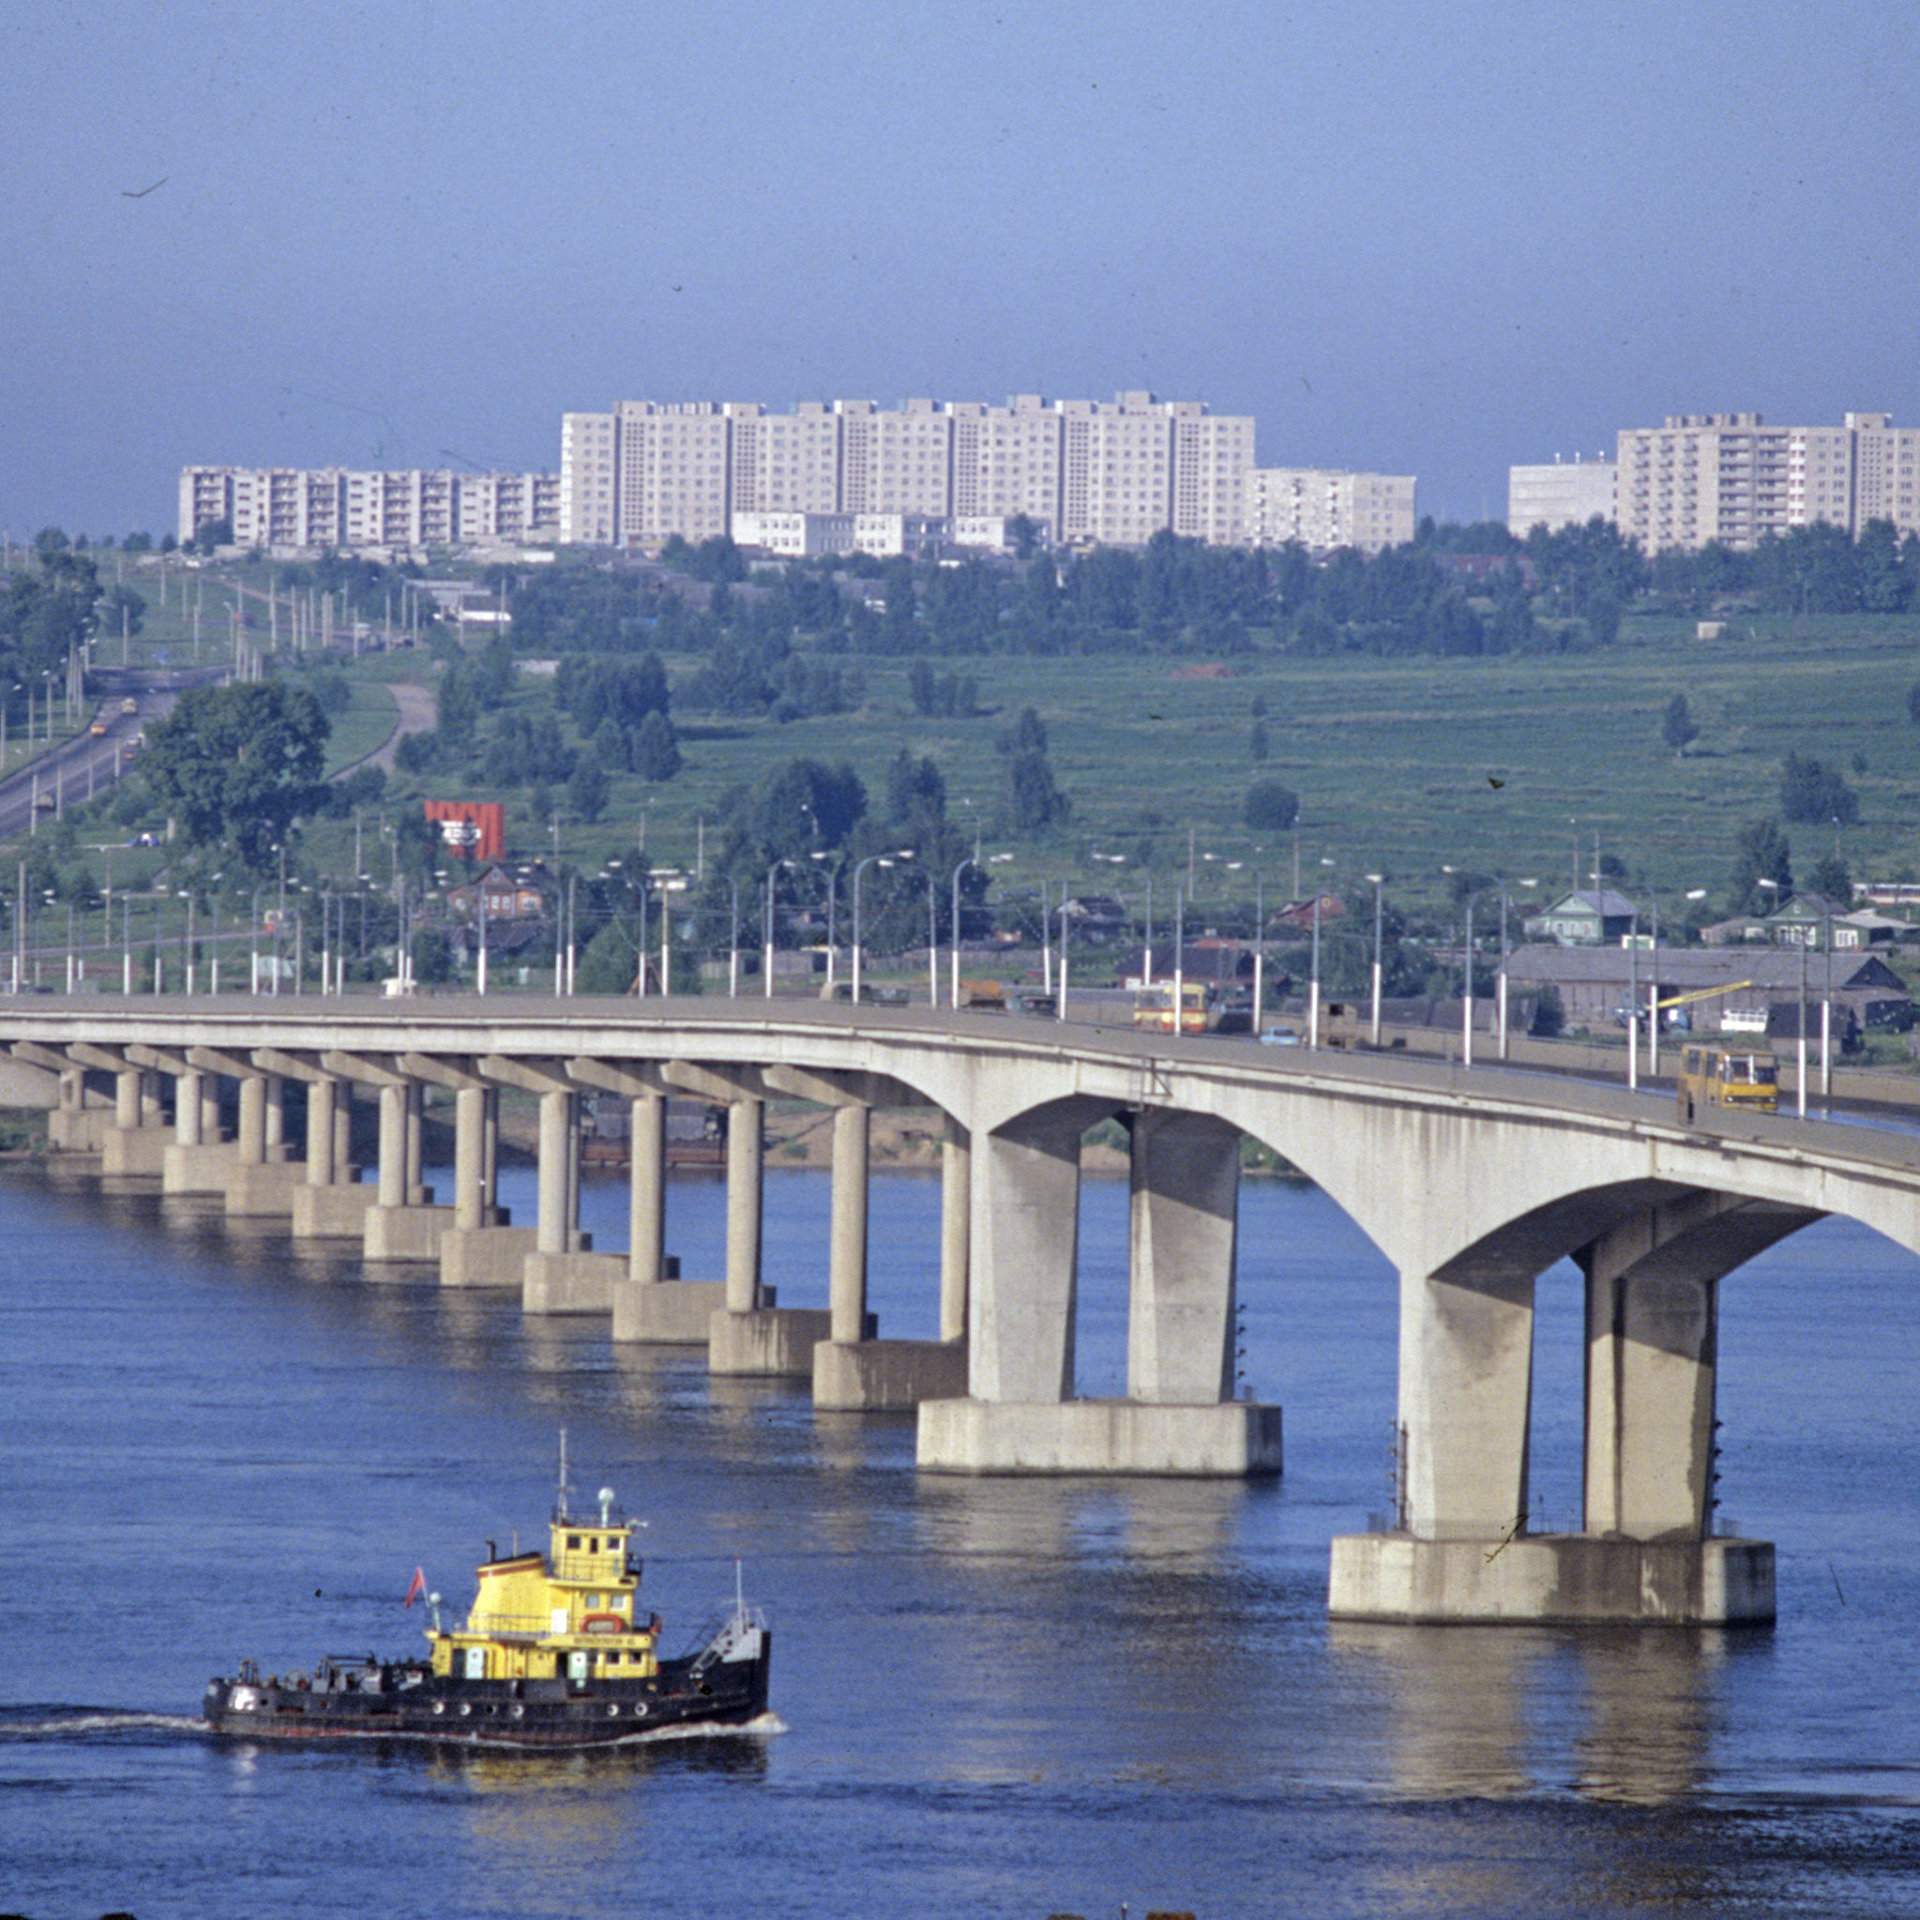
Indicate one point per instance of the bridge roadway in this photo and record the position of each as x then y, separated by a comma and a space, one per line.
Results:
1471, 1181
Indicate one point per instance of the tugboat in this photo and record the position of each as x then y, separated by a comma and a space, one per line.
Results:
553, 1654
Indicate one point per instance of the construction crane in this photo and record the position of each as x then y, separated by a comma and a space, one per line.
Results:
1701, 993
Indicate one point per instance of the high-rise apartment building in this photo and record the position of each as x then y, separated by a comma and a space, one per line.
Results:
1108, 472
1702, 477
348, 509
1321, 508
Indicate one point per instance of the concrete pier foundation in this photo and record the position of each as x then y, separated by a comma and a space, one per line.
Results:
1229, 1440
773, 1343
887, 1376
485, 1256
332, 1213
405, 1233
671, 1312
134, 1152
570, 1282
1574, 1579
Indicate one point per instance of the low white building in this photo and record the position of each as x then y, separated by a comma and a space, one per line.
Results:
1568, 493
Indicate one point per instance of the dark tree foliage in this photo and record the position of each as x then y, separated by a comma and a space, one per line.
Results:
717, 560
916, 797
942, 696
563, 610
799, 807
1034, 802
239, 765
1676, 724
623, 689
1271, 807
1761, 853
656, 748
1832, 876
48, 612
1812, 792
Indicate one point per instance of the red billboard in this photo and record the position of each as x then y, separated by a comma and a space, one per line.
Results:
470, 829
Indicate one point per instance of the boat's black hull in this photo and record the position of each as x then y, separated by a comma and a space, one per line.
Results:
403, 1703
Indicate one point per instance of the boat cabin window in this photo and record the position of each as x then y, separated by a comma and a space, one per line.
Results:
573, 1543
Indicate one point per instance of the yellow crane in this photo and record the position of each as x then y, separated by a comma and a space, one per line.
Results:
1701, 993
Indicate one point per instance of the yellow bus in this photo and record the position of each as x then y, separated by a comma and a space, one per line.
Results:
1746, 1078
1204, 1008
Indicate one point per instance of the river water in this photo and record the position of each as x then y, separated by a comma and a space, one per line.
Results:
996, 1697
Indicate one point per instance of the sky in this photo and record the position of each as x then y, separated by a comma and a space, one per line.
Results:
1435, 237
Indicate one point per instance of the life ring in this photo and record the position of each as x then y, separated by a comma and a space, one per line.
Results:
603, 1623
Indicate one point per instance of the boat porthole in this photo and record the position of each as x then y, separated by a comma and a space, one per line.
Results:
439, 1706
519, 1712
613, 1712
466, 1707
640, 1710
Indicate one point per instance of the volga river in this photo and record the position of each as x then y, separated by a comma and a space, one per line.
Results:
997, 1697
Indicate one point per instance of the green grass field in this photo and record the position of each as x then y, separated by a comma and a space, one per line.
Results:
1402, 766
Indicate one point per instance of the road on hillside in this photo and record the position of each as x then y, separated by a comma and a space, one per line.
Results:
78, 770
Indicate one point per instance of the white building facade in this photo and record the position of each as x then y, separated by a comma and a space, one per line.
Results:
1702, 477
308, 508
1569, 493
1092, 472
1321, 509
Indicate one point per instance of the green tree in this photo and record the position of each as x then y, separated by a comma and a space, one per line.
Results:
1271, 806
1832, 877
656, 748
1761, 853
239, 765
1676, 725
588, 788
1814, 793
1034, 802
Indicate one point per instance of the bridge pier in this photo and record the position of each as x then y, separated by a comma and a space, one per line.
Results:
480, 1248
749, 1335
261, 1184
645, 1306
563, 1274
1646, 1552
403, 1223
1019, 1415
331, 1204
136, 1144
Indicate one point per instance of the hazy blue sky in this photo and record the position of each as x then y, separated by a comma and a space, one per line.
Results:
1419, 238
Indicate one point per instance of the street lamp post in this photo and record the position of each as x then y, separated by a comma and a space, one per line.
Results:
733, 939
1379, 880
766, 964
833, 880
954, 933
1466, 991
1179, 959
882, 859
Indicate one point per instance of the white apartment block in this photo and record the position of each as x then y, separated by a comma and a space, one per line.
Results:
1568, 493
284, 508
1111, 473
1702, 477
1322, 508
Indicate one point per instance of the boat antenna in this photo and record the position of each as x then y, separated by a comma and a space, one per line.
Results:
560, 1509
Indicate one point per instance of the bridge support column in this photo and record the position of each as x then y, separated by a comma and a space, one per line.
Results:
331, 1205
480, 1248
136, 1144
749, 1335
261, 1184
1020, 1416
403, 1224
196, 1161
645, 1307
956, 1192
562, 1274
1460, 1550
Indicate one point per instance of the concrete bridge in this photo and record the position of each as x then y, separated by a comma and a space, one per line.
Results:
1471, 1182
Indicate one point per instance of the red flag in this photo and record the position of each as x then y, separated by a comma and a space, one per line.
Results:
417, 1587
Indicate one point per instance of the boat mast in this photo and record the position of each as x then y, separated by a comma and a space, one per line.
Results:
560, 1507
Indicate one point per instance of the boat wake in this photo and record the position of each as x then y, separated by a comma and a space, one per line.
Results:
67, 1723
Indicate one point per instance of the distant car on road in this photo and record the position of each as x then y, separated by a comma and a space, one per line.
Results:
1280, 1036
